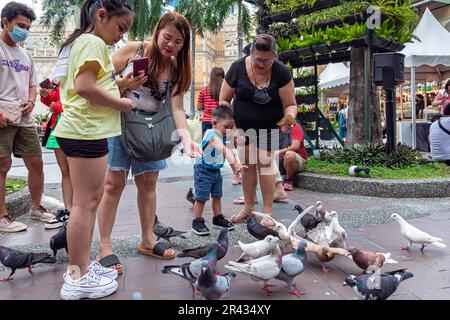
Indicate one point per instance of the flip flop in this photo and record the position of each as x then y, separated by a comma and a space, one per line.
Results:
240, 217
158, 251
240, 200
281, 200
111, 261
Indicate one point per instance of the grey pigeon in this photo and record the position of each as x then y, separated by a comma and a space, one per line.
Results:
14, 259
291, 266
160, 230
200, 252
59, 240
211, 285
308, 221
258, 230
191, 270
262, 269
190, 197
377, 286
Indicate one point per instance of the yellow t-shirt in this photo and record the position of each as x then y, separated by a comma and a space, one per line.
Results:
82, 120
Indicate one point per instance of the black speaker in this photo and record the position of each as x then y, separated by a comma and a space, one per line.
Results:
391, 60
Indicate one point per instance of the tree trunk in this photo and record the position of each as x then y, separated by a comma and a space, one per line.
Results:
239, 29
355, 132
192, 106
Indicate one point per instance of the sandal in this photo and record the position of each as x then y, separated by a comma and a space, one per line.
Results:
111, 261
240, 217
160, 251
281, 199
240, 200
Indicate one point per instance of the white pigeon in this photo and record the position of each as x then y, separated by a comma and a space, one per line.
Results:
339, 236
257, 249
262, 269
321, 213
414, 235
51, 203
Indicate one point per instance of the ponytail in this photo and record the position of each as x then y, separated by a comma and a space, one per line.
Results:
87, 15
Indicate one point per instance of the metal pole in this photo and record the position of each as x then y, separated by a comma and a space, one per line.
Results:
367, 87
413, 107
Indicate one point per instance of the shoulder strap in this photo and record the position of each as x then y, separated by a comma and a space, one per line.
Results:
9, 59
442, 127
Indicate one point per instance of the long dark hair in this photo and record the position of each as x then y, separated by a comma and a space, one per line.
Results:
215, 82
88, 11
446, 86
182, 72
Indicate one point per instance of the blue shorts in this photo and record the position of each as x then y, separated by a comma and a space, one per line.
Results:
119, 160
207, 181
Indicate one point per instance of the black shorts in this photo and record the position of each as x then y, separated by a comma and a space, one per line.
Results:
265, 140
83, 148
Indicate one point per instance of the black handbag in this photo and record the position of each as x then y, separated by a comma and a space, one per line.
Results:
150, 138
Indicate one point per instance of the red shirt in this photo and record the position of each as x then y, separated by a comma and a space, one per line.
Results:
297, 134
53, 96
208, 102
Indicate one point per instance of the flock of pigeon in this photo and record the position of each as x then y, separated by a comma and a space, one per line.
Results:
268, 257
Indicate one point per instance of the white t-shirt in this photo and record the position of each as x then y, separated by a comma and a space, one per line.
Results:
440, 141
24, 71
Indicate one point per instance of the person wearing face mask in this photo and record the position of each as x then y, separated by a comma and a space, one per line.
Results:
18, 88
263, 93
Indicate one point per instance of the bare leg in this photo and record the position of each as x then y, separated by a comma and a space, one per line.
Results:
87, 177
266, 181
115, 182
35, 169
66, 184
198, 209
217, 206
5, 165
290, 164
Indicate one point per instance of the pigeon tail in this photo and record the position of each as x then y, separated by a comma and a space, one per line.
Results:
439, 244
42, 258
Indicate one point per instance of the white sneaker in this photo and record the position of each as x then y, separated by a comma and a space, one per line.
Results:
103, 271
91, 286
8, 224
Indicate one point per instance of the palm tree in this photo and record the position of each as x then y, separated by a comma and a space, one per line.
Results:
57, 13
203, 16
244, 25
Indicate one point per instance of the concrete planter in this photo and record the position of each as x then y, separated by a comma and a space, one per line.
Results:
18, 203
422, 188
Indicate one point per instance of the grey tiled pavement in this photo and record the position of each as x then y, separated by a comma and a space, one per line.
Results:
364, 218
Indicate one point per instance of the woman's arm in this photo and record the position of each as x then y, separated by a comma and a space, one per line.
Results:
179, 116
120, 59
86, 86
226, 94
287, 96
438, 100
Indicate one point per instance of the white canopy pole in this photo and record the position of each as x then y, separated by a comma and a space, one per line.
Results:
413, 106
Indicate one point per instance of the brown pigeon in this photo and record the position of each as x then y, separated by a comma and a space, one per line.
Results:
369, 261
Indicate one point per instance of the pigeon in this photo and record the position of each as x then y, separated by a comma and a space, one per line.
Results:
200, 252
258, 230
377, 286
211, 285
370, 262
339, 235
190, 197
355, 170
257, 249
308, 221
51, 203
14, 259
166, 232
191, 270
321, 213
59, 240
291, 266
262, 269
414, 235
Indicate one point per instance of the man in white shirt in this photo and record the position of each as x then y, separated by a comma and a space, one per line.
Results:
18, 87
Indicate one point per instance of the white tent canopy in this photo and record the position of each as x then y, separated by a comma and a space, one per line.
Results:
334, 75
432, 50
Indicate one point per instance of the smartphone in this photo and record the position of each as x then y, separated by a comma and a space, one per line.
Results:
140, 66
46, 84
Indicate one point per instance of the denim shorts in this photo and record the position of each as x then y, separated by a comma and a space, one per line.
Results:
206, 182
119, 160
